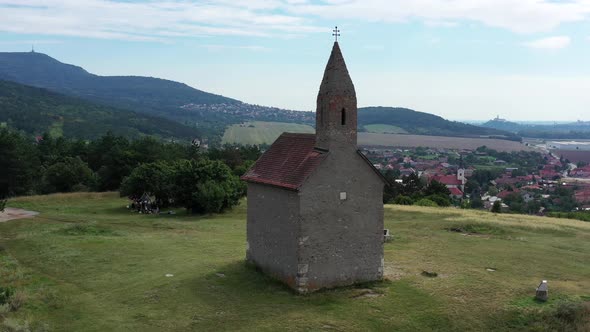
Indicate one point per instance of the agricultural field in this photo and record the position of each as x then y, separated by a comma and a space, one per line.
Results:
441, 142
384, 129
573, 156
86, 263
257, 132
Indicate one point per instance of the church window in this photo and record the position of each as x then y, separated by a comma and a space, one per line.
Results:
343, 115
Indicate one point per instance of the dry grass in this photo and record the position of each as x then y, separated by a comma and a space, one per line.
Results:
439, 142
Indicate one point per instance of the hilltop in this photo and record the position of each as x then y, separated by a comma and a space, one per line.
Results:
37, 111
211, 114
143, 94
88, 257
574, 130
420, 123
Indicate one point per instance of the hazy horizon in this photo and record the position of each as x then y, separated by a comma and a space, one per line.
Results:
467, 60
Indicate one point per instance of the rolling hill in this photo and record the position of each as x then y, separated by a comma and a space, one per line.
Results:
36, 111
211, 114
142, 94
408, 121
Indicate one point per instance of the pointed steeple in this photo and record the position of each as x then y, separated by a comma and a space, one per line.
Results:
336, 114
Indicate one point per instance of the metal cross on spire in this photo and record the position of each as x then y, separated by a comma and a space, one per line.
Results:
336, 33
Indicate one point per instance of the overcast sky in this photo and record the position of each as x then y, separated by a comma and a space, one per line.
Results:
461, 59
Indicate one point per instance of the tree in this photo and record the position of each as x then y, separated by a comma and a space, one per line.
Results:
497, 207
2, 205
155, 179
64, 176
436, 188
19, 164
206, 186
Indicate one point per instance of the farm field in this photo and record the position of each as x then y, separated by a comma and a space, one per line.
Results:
86, 263
573, 156
385, 129
267, 132
257, 132
412, 141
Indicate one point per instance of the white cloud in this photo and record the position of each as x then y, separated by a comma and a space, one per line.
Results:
160, 20
522, 16
550, 43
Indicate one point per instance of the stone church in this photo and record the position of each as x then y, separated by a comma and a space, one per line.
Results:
315, 209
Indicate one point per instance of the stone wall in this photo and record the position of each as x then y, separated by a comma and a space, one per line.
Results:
273, 231
341, 241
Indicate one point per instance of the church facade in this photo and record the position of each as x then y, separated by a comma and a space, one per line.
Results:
315, 203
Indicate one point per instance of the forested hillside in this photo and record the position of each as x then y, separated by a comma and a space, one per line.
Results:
36, 111
143, 94
420, 123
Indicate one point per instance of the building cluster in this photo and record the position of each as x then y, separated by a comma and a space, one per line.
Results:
250, 112
536, 186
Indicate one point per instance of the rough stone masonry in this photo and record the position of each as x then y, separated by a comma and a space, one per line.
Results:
315, 205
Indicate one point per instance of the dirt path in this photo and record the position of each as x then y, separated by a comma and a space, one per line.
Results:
12, 213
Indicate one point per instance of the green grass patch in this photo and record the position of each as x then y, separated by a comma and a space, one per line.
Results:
87, 229
384, 129
258, 132
182, 273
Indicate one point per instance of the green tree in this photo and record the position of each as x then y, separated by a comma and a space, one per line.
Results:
155, 179
497, 207
206, 186
19, 164
436, 188
64, 176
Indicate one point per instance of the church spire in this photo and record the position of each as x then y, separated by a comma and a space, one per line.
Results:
336, 113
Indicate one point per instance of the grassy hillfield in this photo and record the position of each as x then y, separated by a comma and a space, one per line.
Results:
88, 264
258, 132
440, 142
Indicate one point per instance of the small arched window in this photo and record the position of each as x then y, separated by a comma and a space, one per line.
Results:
343, 116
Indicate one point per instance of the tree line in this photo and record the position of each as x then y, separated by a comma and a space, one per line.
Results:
177, 173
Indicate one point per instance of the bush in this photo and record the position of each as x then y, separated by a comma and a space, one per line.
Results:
426, 202
497, 207
67, 175
403, 200
440, 200
5, 295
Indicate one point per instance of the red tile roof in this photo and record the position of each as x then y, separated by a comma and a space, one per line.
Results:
456, 191
288, 162
448, 180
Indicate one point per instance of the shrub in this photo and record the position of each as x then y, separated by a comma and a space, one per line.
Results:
403, 200
426, 202
440, 200
497, 207
5, 295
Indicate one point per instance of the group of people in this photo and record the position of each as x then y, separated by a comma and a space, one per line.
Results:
144, 205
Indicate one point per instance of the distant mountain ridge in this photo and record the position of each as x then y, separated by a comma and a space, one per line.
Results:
574, 130
210, 113
37, 111
143, 94
420, 123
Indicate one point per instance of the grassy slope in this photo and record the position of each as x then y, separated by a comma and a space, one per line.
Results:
262, 132
384, 129
88, 264
411, 141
